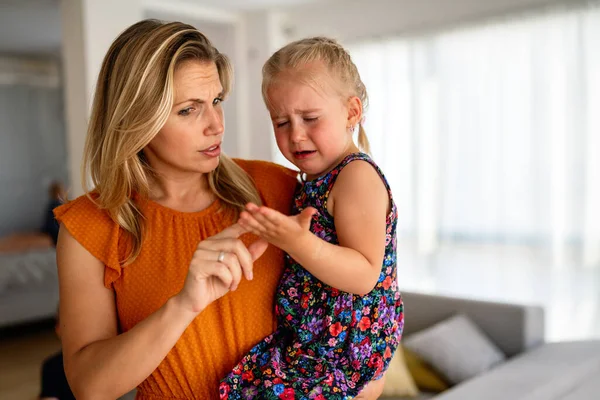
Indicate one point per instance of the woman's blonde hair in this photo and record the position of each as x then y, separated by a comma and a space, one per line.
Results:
339, 66
133, 99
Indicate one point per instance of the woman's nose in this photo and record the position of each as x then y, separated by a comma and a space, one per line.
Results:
216, 124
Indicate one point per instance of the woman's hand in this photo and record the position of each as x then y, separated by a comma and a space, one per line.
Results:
281, 230
217, 267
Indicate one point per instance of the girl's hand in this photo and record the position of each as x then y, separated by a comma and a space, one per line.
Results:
281, 230
217, 267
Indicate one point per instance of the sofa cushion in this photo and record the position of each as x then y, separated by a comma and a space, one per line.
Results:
456, 348
426, 378
398, 380
565, 370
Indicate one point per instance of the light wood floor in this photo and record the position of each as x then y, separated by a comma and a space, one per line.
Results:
21, 357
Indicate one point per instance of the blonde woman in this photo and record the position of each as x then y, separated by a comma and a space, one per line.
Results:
160, 288
151, 260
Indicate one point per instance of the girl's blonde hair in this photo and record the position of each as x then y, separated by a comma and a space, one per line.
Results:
133, 99
339, 66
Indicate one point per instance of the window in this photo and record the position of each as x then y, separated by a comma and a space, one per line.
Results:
491, 134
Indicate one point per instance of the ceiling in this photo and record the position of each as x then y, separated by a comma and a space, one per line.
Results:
33, 27
239, 5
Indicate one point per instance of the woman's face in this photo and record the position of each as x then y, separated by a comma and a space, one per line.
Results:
190, 140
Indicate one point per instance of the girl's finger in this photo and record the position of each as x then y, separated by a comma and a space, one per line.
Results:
264, 221
252, 207
249, 220
273, 216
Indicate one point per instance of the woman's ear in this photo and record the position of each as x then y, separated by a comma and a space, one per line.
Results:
354, 111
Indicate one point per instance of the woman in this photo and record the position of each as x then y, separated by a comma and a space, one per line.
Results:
159, 287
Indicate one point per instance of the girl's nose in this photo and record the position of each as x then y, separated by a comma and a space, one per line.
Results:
297, 134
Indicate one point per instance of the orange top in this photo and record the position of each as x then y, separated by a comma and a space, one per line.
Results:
226, 330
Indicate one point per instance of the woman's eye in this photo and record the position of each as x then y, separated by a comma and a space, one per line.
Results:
281, 124
217, 100
185, 111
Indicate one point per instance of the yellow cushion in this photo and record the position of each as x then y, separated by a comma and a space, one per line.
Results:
424, 376
398, 380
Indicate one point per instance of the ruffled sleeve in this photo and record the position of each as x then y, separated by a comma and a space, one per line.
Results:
93, 228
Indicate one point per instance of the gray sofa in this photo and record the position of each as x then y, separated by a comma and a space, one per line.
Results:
534, 370
28, 286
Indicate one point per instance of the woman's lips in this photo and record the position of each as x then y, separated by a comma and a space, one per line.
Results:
213, 151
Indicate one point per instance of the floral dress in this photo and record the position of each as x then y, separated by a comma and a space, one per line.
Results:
328, 344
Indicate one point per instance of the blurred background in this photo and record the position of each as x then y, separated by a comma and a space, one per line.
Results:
484, 115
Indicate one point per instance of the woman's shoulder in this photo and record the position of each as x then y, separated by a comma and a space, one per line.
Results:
259, 169
268, 175
85, 209
95, 230
275, 182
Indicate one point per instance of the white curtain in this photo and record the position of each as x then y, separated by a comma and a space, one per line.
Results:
491, 133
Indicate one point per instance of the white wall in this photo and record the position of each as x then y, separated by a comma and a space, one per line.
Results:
263, 36
88, 29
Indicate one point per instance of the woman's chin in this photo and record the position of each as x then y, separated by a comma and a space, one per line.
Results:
208, 165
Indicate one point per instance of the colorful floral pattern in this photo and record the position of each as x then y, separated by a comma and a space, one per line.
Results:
329, 344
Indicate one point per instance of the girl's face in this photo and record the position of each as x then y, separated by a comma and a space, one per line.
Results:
311, 125
190, 140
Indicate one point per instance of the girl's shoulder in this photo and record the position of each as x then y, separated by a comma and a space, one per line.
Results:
350, 165
356, 177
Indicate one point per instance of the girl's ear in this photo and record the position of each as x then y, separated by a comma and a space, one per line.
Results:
354, 107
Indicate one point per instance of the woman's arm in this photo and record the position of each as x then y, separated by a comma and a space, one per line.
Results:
100, 363
359, 203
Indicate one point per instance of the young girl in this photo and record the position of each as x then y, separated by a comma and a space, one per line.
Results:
340, 315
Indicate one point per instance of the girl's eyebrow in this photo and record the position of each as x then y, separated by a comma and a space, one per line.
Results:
304, 111
298, 111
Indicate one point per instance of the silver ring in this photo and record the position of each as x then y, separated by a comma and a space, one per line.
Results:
221, 256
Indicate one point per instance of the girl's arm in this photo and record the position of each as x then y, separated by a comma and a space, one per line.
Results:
102, 364
359, 203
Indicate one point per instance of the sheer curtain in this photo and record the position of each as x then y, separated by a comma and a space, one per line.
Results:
490, 134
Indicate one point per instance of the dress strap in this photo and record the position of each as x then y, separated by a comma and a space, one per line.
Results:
334, 173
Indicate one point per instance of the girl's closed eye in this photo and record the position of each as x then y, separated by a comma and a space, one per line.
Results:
310, 119
280, 124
